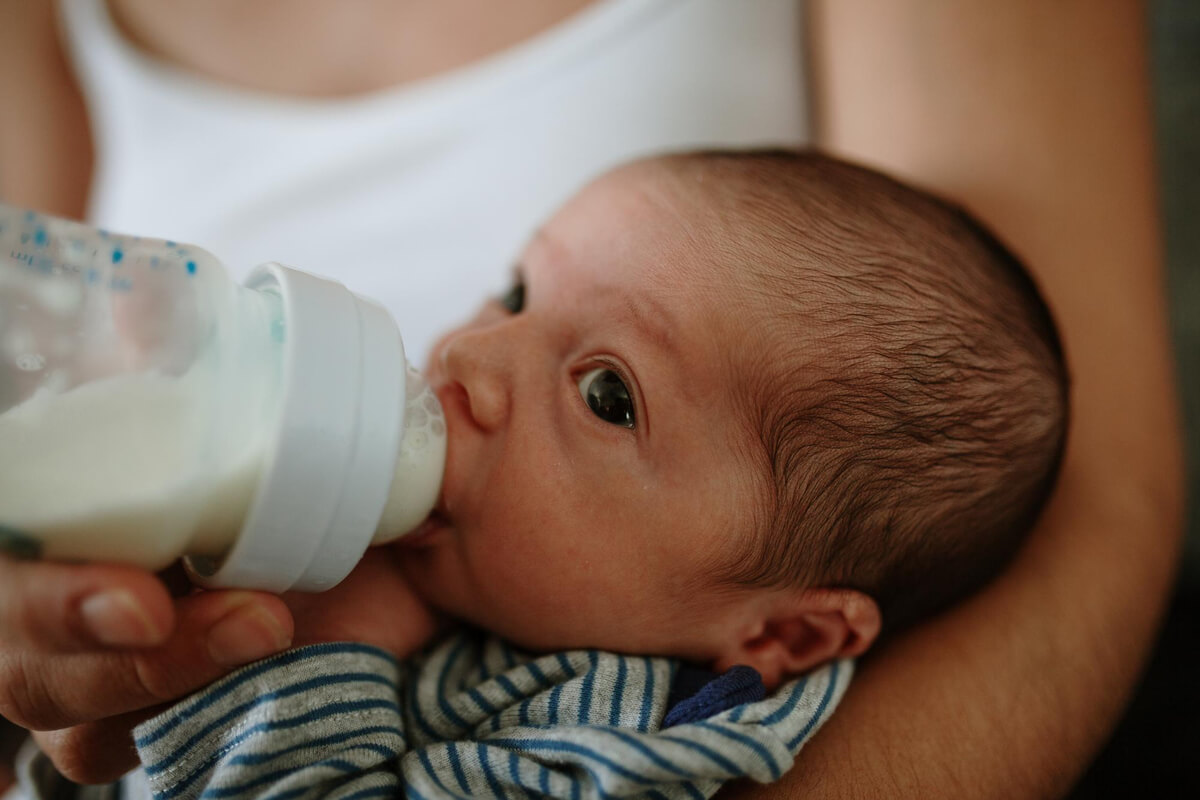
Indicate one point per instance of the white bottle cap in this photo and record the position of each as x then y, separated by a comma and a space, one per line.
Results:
328, 465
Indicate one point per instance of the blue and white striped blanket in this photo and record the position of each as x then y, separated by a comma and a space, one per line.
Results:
470, 718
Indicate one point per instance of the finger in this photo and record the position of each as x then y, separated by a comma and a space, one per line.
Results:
94, 752
215, 632
72, 607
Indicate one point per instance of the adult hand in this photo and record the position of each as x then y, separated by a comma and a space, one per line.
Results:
88, 652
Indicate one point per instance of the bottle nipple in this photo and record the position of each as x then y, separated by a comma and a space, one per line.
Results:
419, 463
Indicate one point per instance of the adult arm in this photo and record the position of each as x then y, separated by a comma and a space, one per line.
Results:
1036, 116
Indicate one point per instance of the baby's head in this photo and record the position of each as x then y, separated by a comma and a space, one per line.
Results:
736, 408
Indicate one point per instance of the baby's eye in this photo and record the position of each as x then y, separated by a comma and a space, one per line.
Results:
607, 396
514, 298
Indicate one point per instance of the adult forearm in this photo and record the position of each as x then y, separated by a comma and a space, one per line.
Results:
1008, 696
1035, 116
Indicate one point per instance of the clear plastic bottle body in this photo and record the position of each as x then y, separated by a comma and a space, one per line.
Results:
136, 384
151, 408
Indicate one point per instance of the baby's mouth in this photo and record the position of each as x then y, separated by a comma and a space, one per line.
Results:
423, 536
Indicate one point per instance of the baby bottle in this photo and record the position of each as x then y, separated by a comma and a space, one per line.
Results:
152, 408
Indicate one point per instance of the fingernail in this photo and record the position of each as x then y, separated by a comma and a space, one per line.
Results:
244, 635
114, 617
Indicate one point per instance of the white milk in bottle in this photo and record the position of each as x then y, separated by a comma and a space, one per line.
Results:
151, 408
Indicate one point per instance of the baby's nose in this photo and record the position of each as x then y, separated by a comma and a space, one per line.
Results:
475, 363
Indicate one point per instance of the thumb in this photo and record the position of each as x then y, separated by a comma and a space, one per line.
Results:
214, 632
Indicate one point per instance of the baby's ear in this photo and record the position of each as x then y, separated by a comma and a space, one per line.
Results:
803, 630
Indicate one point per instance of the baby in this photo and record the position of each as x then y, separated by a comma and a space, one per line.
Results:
740, 409
736, 409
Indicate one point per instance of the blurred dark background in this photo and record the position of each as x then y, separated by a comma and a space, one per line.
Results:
1156, 750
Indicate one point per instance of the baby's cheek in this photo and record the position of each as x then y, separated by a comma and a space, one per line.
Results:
529, 578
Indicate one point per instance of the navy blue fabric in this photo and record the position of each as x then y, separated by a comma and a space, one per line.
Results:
698, 693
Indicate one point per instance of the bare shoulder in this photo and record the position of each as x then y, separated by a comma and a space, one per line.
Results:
45, 145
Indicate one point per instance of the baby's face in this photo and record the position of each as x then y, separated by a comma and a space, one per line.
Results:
598, 464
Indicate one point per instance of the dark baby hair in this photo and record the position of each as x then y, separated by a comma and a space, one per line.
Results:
910, 391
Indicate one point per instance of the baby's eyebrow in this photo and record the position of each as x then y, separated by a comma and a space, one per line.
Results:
651, 317
654, 320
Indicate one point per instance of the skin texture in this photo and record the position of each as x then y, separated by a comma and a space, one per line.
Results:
1034, 114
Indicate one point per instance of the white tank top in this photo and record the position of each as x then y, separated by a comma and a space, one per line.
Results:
421, 196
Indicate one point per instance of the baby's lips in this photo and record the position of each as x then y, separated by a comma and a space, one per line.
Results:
440, 507
423, 534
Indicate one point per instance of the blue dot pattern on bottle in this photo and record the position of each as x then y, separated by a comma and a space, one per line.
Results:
191, 267
39, 237
117, 256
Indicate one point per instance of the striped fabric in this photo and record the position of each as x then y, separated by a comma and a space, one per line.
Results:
471, 718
